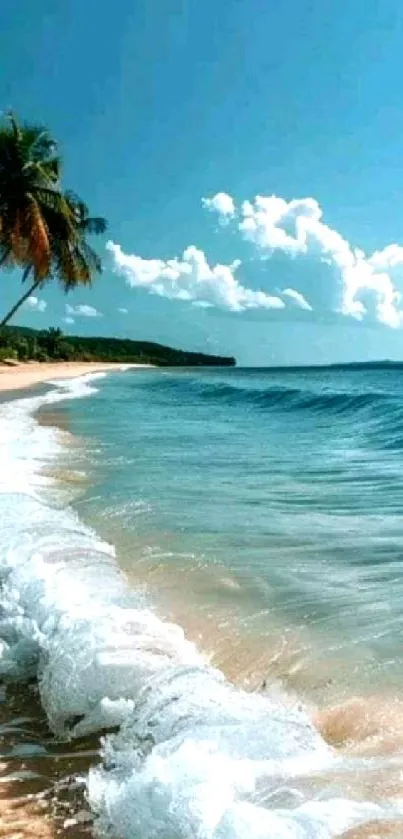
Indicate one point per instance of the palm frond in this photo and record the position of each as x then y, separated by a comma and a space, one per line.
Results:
94, 226
37, 235
83, 269
65, 266
7, 259
42, 228
39, 142
14, 127
17, 240
91, 257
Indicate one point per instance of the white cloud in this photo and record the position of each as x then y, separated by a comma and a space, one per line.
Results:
297, 298
82, 311
359, 285
68, 320
123, 311
318, 270
222, 204
191, 279
35, 304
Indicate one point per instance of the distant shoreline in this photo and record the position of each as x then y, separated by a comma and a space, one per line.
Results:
309, 368
24, 376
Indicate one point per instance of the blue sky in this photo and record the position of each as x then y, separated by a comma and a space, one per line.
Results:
159, 104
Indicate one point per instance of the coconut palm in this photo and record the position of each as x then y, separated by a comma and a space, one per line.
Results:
29, 183
42, 229
73, 262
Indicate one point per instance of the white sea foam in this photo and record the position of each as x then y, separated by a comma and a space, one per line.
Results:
193, 757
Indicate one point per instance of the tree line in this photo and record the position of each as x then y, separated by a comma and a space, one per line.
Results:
24, 344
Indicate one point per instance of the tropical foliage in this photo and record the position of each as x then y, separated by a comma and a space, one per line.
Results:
24, 344
29, 182
44, 229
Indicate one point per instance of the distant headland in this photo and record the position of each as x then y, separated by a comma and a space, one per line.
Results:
25, 344
384, 364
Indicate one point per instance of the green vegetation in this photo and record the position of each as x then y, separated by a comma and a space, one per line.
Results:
43, 228
24, 344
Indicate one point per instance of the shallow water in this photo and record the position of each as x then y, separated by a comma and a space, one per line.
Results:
276, 498
261, 513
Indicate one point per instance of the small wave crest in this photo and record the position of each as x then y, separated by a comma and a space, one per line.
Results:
194, 756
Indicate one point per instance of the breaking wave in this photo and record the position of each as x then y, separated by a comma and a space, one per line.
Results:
193, 755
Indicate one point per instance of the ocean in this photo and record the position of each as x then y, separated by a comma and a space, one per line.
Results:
205, 568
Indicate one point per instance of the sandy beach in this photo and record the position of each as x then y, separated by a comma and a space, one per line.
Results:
24, 376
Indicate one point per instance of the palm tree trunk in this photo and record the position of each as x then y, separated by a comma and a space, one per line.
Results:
22, 299
5, 257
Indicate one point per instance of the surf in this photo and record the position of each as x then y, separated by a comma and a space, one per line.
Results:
191, 753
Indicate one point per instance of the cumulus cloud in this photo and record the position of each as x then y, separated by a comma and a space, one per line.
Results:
36, 305
190, 278
123, 311
222, 204
351, 282
68, 320
295, 261
82, 311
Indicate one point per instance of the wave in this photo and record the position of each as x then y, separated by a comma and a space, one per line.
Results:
193, 755
284, 397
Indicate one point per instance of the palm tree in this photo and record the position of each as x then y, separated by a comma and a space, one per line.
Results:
42, 229
29, 182
73, 262
51, 340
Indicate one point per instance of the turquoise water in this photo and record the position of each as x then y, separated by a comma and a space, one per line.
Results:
207, 566
282, 491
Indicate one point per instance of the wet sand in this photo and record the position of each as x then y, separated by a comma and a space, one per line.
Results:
42, 793
376, 830
52, 417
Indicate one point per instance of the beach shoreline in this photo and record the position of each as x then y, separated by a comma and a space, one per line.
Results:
26, 375
80, 564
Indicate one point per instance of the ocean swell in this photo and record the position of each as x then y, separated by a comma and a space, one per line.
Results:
193, 756
275, 397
